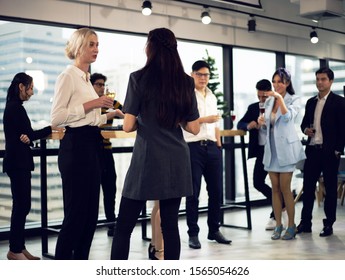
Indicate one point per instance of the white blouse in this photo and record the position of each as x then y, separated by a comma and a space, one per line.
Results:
72, 89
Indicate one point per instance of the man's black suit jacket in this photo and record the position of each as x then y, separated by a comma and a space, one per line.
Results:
252, 114
332, 121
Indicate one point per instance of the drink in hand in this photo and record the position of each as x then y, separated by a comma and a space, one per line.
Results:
111, 95
262, 108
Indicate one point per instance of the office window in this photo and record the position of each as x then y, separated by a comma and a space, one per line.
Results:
302, 71
39, 51
249, 67
338, 68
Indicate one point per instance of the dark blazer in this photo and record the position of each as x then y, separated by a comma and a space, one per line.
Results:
252, 114
332, 121
16, 122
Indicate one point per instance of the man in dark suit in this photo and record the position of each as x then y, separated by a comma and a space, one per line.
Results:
326, 140
257, 139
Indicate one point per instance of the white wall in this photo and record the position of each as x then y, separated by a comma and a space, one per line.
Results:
227, 27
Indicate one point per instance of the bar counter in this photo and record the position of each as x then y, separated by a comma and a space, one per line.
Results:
122, 134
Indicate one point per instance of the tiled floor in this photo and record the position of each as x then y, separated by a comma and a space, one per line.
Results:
247, 245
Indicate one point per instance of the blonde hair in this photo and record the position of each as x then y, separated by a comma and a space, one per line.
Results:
77, 42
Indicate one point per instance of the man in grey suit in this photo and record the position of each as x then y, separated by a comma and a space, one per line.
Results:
325, 145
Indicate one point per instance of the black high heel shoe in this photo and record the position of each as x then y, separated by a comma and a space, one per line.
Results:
151, 252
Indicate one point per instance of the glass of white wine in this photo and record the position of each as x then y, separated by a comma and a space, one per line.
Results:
110, 94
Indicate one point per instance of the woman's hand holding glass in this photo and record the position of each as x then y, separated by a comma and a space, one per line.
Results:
106, 102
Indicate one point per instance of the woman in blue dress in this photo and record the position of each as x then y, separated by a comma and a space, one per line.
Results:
283, 148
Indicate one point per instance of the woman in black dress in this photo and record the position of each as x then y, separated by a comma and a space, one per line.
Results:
18, 160
160, 99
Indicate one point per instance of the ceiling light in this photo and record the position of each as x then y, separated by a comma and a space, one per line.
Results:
205, 16
146, 8
251, 24
313, 37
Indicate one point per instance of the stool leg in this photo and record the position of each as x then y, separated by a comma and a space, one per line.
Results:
299, 195
320, 190
342, 194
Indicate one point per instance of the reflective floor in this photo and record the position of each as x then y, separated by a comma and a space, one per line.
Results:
254, 244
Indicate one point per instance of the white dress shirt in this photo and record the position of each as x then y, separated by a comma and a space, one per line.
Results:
318, 138
207, 105
72, 89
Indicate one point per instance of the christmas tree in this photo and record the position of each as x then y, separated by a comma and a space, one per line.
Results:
214, 84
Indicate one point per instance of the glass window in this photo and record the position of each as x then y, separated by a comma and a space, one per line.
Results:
302, 71
249, 67
338, 85
39, 50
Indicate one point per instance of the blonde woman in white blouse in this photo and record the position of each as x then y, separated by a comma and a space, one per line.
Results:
77, 107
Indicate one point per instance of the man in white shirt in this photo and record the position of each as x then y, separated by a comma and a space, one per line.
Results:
206, 160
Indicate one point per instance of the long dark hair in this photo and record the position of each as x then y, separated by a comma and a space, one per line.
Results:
285, 76
13, 90
167, 81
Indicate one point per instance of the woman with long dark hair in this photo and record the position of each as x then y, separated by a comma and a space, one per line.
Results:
160, 99
283, 148
18, 160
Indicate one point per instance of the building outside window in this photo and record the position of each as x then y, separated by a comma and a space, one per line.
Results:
39, 51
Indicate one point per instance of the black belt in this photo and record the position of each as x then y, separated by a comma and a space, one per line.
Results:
317, 146
206, 142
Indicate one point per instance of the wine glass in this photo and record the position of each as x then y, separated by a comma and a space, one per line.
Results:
219, 114
262, 108
233, 115
110, 94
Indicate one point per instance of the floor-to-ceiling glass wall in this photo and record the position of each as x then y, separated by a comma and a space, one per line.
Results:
39, 50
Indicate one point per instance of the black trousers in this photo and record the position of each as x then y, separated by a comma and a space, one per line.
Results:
206, 160
320, 161
79, 164
259, 177
108, 182
21, 203
128, 215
